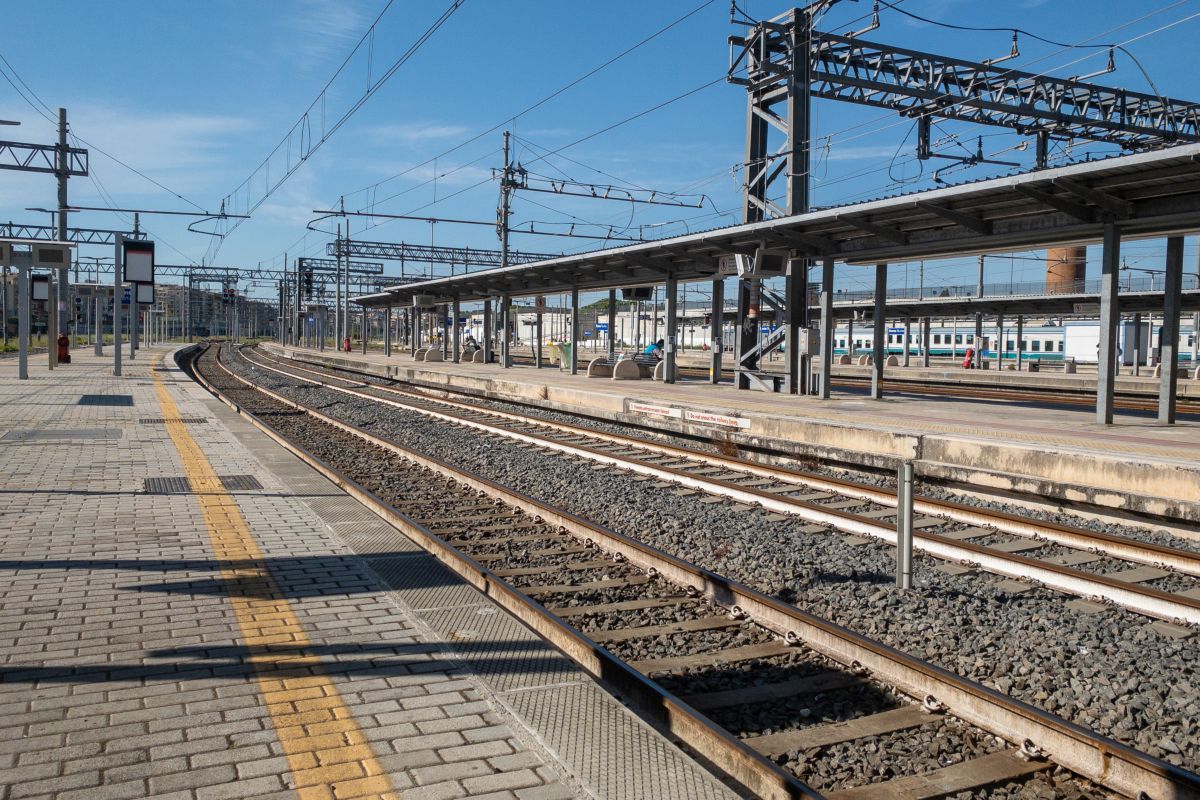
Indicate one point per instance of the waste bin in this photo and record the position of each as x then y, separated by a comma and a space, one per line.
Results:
564, 355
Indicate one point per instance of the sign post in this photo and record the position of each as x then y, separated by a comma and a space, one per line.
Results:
118, 272
139, 271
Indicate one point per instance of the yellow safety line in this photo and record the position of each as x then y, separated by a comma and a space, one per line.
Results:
327, 753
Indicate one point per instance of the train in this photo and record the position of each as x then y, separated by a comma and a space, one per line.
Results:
1071, 341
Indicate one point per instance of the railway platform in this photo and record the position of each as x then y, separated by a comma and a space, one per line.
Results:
1061, 454
189, 612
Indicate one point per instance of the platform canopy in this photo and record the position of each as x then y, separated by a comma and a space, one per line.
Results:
1146, 195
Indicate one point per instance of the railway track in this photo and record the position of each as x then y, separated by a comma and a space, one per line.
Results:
695, 651
1123, 401
1151, 579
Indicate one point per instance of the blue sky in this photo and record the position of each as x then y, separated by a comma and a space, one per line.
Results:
196, 95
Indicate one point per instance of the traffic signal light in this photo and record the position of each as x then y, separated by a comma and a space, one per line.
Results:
308, 284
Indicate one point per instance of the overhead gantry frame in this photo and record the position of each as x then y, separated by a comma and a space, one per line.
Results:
787, 62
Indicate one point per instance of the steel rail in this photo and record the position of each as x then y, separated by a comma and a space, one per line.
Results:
1121, 547
727, 753
1143, 599
1098, 758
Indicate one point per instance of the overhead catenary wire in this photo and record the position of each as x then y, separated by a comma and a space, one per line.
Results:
732, 170
541, 102
306, 150
49, 114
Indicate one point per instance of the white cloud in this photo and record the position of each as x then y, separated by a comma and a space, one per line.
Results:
324, 30
187, 151
414, 132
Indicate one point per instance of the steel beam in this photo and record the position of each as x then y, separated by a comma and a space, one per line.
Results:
25, 157
426, 254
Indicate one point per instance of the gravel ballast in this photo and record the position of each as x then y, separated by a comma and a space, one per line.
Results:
1108, 671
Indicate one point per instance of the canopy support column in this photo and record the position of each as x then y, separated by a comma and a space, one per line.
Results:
879, 353
1110, 315
828, 326
1169, 338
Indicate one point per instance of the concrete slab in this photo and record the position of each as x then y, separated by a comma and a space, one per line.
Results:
142, 632
1059, 454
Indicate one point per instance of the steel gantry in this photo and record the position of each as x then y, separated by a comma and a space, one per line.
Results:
49, 233
784, 62
430, 254
25, 157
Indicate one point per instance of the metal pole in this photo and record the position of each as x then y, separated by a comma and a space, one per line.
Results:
925, 341
538, 304
1169, 341
907, 339
716, 330
795, 293
904, 525
97, 319
51, 320
1110, 315
23, 320
879, 349
387, 331
1137, 345
364, 329
118, 270
670, 368
979, 322
134, 312
346, 285
574, 330
4, 303
828, 329
337, 291
456, 344
488, 331
1020, 342
612, 324
62, 281
1000, 341
505, 331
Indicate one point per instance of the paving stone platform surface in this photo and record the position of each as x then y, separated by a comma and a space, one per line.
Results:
187, 611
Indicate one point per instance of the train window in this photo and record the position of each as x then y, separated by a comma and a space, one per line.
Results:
1008, 344
1049, 346
1037, 346
970, 338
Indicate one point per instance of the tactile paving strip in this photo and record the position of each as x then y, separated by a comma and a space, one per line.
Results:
422, 583
598, 741
500, 650
374, 538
